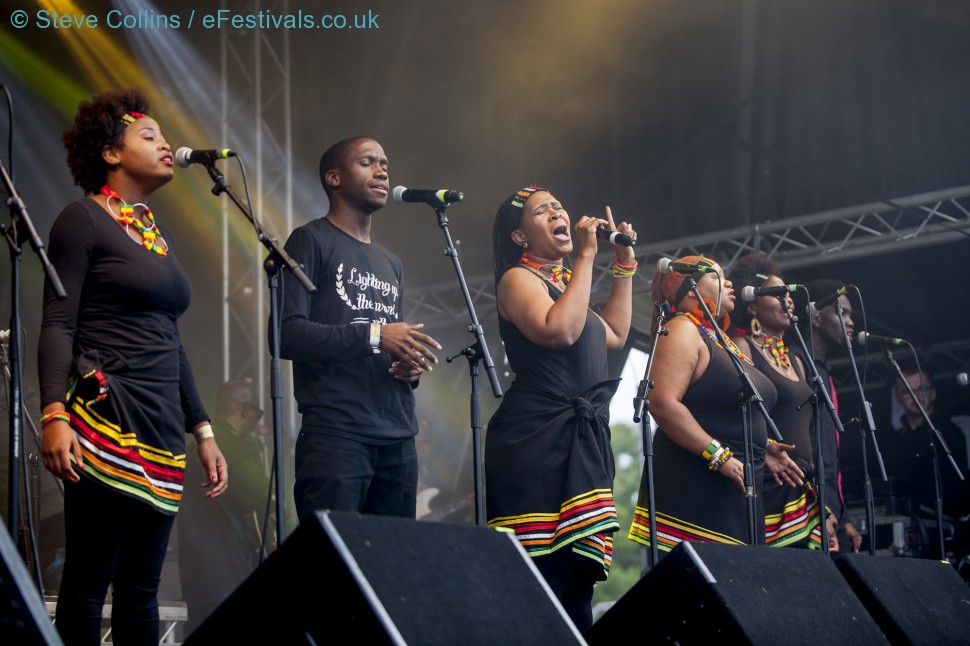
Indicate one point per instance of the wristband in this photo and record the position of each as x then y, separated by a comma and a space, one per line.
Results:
50, 417
624, 271
376, 336
711, 449
203, 432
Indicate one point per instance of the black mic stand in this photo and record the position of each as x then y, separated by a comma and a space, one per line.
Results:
818, 387
868, 423
641, 410
474, 352
276, 260
19, 217
936, 438
747, 395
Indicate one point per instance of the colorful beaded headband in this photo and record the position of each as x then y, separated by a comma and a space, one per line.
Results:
519, 199
129, 118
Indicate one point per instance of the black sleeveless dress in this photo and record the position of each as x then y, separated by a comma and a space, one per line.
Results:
791, 514
548, 461
694, 503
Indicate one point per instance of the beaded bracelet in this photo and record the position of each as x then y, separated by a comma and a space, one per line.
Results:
717, 461
50, 417
203, 432
711, 449
624, 271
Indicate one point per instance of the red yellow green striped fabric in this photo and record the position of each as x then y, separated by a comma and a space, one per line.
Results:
118, 460
586, 523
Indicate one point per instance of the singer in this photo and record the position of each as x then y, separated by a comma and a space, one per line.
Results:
699, 485
355, 361
825, 332
548, 462
117, 390
792, 513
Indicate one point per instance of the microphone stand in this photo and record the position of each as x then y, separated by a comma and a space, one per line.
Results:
747, 395
867, 423
641, 409
936, 438
19, 216
276, 260
816, 422
474, 352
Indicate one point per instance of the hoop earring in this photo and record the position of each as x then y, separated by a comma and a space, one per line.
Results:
756, 329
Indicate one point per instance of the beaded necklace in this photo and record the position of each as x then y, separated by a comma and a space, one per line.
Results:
150, 236
775, 345
563, 274
732, 348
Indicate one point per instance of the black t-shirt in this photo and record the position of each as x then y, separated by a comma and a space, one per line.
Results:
341, 386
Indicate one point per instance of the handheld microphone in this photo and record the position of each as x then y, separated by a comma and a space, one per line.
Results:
402, 194
750, 292
814, 307
185, 156
874, 340
666, 265
615, 237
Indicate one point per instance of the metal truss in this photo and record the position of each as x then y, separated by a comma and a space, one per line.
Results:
256, 106
840, 234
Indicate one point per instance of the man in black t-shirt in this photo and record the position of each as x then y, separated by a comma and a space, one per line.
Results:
355, 362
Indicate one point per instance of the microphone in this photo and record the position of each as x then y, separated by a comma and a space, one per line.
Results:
615, 237
666, 265
750, 292
402, 194
864, 338
813, 308
185, 156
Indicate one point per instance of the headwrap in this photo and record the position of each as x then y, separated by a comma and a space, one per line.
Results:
672, 287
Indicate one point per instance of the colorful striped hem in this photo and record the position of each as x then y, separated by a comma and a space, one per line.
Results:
798, 523
672, 531
586, 523
121, 462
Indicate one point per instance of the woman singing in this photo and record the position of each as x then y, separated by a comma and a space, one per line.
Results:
699, 451
117, 390
548, 462
790, 503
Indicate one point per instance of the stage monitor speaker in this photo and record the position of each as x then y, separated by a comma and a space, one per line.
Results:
23, 618
914, 601
377, 579
708, 593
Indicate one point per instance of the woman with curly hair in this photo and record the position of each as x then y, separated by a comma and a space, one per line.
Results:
117, 390
548, 462
792, 512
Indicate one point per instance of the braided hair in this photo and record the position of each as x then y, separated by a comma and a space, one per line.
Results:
505, 251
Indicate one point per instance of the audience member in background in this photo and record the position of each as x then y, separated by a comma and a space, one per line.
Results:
909, 453
219, 546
